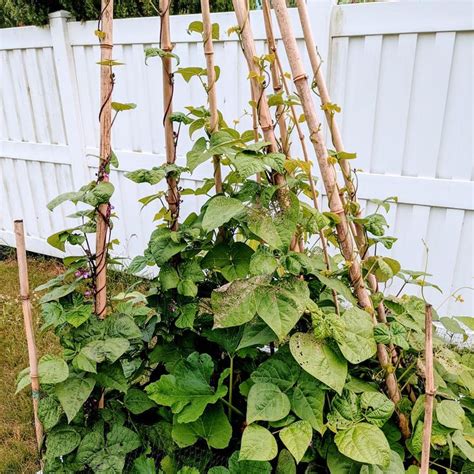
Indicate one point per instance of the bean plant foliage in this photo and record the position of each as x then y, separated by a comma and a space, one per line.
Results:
243, 354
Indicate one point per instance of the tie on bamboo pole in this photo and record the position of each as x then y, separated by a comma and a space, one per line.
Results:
258, 93
173, 196
211, 85
328, 175
429, 391
105, 120
28, 321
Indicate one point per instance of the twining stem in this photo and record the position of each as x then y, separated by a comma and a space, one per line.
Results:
429, 391
211, 86
173, 195
105, 150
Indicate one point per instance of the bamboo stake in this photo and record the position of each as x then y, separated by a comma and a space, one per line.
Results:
211, 85
173, 196
258, 93
28, 321
105, 119
328, 175
429, 391
276, 80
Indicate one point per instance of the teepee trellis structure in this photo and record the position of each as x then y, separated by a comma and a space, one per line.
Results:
329, 179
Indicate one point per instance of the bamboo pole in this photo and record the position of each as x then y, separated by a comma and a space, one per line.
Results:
429, 391
211, 85
258, 93
328, 175
28, 321
276, 80
173, 195
105, 119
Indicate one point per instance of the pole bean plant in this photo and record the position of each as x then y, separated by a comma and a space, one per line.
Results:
247, 353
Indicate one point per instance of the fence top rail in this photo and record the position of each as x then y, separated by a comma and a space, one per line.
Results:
430, 16
347, 20
25, 37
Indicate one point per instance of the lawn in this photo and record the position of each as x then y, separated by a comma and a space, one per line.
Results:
17, 439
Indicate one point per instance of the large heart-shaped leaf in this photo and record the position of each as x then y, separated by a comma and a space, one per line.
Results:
281, 305
220, 210
266, 402
297, 438
364, 443
358, 342
258, 444
72, 393
319, 360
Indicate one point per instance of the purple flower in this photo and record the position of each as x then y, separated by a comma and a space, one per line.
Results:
87, 293
105, 176
86, 275
78, 273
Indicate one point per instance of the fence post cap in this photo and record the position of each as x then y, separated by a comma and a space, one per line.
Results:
60, 14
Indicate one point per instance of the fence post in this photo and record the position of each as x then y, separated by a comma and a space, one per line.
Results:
68, 90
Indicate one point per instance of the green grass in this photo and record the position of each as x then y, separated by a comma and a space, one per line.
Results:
18, 452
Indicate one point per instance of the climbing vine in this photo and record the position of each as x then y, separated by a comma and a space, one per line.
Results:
247, 353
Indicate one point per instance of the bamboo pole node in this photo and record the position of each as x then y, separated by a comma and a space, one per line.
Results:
300, 77
106, 46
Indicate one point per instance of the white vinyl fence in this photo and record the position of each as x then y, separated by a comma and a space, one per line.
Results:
402, 72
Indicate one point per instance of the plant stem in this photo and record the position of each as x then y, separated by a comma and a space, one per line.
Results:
231, 383
225, 402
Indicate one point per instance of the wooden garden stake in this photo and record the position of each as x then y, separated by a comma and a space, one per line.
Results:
105, 120
328, 175
211, 85
173, 196
429, 391
28, 321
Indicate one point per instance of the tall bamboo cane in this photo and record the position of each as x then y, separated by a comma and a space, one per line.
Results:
173, 195
276, 79
105, 119
328, 175
258, 93
28, 321
211, 85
